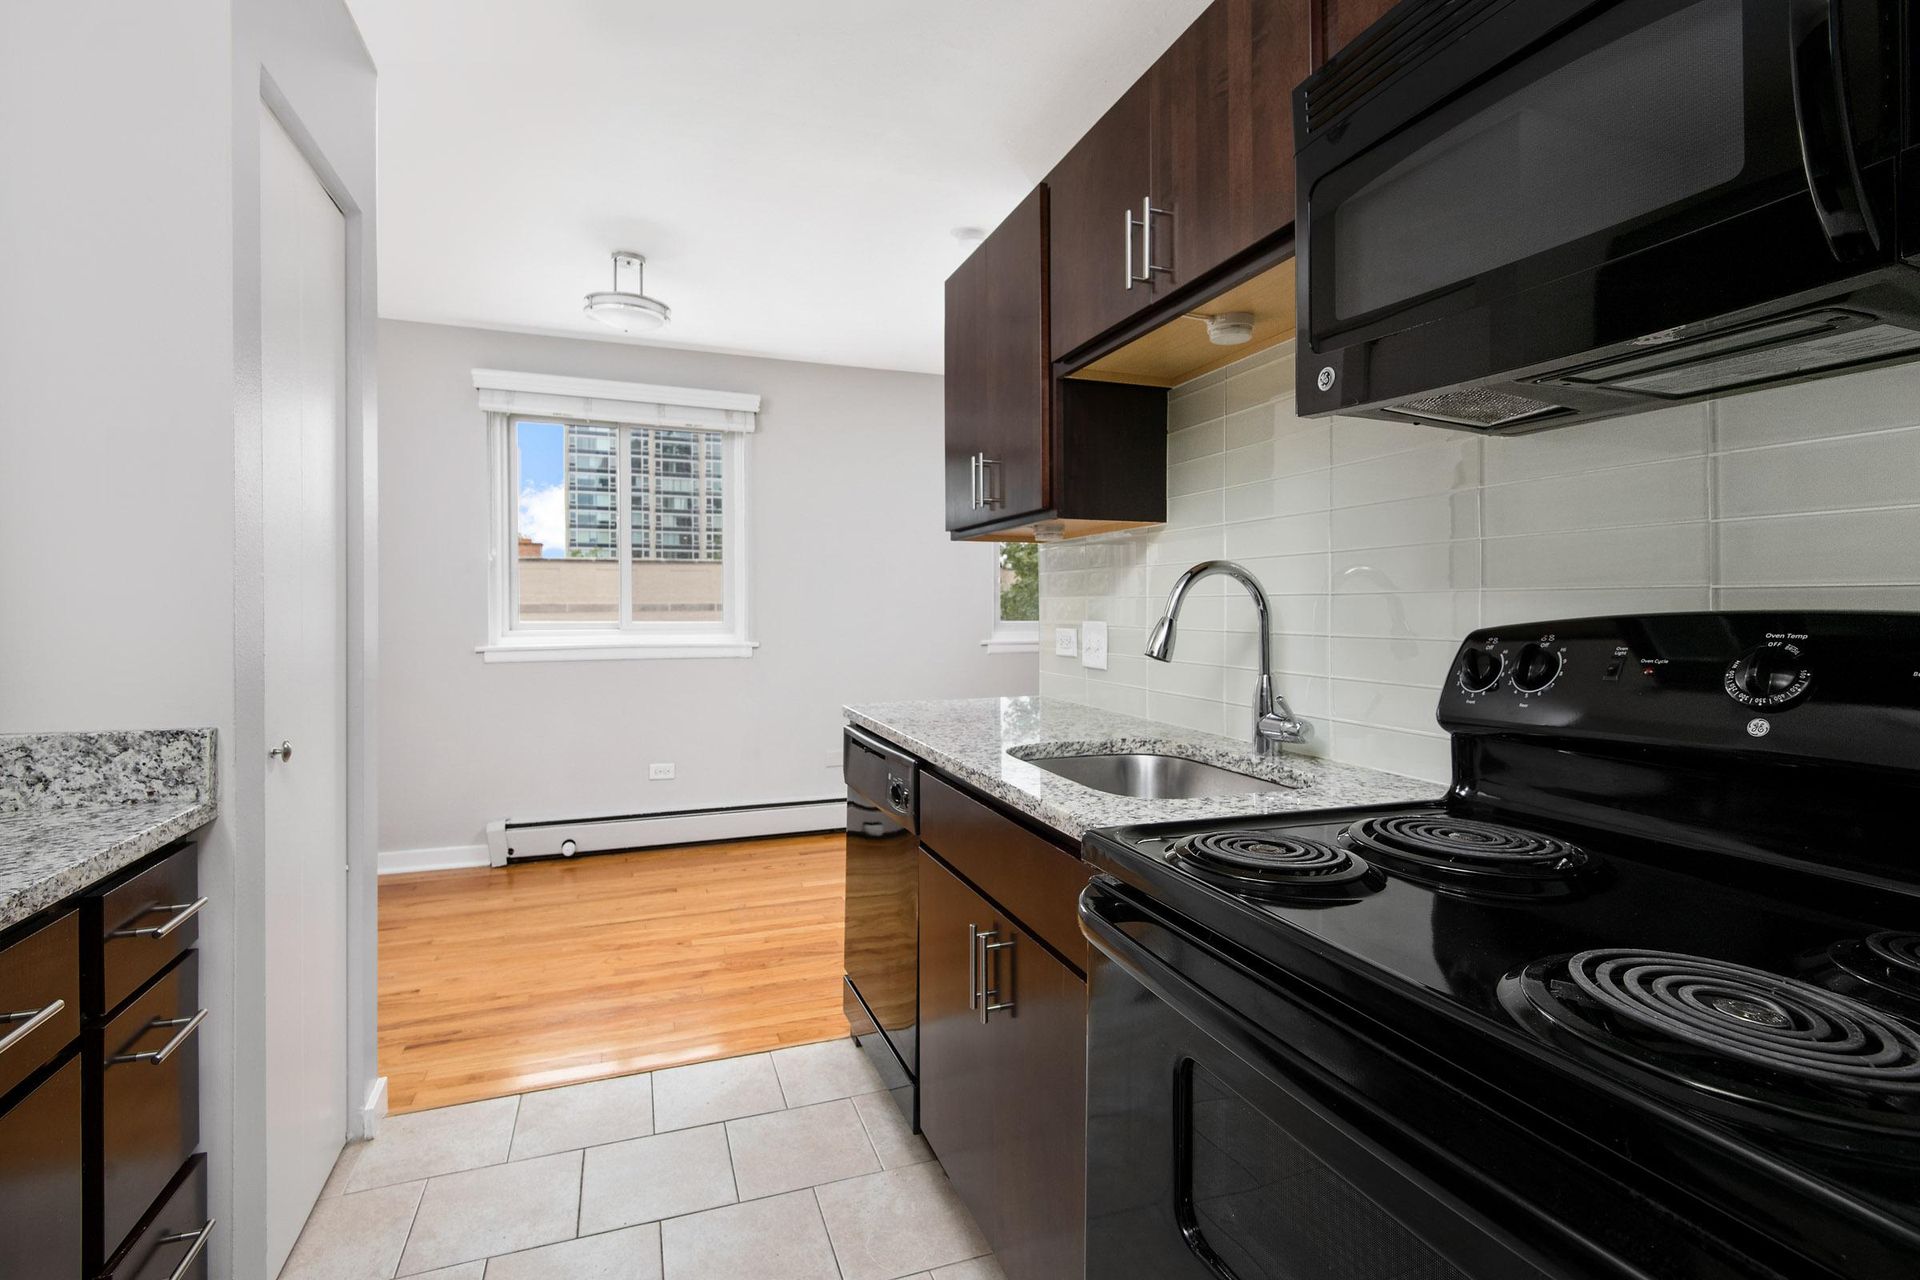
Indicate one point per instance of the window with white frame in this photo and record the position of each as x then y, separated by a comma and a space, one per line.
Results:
1016, 597
620, 525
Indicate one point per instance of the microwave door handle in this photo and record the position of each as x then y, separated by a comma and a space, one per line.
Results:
1826, 132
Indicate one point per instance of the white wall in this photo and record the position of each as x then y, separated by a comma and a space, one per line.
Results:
1382, 545
129, 224
857, 594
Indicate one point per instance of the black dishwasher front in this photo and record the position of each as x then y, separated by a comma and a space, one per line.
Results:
883, 912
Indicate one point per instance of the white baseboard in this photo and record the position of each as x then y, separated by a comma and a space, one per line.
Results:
374, 1109
445, 858
644, 831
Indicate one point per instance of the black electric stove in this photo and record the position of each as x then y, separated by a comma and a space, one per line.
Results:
1638, 996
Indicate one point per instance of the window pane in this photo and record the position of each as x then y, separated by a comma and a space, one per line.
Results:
566, 566
1019, 582
677, 512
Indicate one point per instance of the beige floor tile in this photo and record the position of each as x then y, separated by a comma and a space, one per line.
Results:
780, 1238
892, 1140
897, 1222
465, 1271
709, 1092
500, 1209
788, 1150
336, 1184
972, 1269
811, 1073
632, 1254
426, 1144
646, 1179
355, 1237
583, 1115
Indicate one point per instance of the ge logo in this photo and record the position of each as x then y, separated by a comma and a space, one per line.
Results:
1326, 379
1759, 728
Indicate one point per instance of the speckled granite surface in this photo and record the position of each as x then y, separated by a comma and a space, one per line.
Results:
77, 807
986, 742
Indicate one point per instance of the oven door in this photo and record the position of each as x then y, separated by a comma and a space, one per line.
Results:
1546, 178
1235, 1132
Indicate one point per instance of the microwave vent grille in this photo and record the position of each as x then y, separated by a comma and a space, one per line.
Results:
1478, 407
1409, 34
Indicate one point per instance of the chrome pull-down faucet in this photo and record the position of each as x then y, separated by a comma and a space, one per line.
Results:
1273, 721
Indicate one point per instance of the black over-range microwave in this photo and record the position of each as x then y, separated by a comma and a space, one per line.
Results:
1516, 214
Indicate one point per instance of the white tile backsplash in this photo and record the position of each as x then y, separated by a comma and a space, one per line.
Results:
1380, 545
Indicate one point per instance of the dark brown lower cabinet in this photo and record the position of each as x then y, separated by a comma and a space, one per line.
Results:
40, 1182
1003, 1081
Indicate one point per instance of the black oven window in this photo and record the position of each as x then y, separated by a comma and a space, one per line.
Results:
1637, 126
1259, 1206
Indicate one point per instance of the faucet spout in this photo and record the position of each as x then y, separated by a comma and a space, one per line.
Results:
1273, 721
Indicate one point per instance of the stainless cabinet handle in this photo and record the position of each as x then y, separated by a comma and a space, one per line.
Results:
973, 477
282, 753
34, 1019
988, 496
158, 1056
973, 966
199, 1239
182, 912
1132, 279
987, 971
1147, 214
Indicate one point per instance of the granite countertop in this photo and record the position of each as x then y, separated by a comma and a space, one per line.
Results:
986, 742
77, 807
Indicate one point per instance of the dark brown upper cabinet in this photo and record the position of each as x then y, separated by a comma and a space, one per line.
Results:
1100, 199
1191, 168
1028, 457
1223, 134
998, 390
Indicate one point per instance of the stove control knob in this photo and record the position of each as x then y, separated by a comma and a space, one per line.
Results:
1773, 676
1536, 668
1480, 670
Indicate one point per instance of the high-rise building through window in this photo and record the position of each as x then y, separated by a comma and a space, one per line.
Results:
676, 504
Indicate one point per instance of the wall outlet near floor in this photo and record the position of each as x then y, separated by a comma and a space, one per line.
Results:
659, 773
1093, 645
1066, 642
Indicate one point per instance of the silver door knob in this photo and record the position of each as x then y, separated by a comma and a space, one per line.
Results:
282, 753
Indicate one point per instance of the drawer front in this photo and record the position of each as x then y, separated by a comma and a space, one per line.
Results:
172, 1244
40, 1185
39, 998
1037, 882
149, 1098
144, 924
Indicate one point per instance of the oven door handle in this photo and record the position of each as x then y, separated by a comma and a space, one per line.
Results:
1826, 130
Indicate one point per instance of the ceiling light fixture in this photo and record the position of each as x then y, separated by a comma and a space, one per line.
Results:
626, 307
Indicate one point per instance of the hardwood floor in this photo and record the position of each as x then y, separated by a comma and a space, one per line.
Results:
498, 981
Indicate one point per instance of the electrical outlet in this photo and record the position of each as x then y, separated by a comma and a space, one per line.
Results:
1093, 645
1066, 642
659, 773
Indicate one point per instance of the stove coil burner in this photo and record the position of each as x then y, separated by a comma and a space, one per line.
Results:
1440, 849
1805, 1064
1880, 966
1274, 864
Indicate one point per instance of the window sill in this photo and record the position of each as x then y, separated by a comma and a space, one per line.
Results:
601, 649
1017, 642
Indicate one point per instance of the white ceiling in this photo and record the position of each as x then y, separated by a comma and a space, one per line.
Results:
792, 169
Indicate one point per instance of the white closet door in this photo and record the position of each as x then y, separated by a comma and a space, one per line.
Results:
303, 364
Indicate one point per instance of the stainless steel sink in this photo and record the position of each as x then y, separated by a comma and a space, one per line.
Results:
1154, 777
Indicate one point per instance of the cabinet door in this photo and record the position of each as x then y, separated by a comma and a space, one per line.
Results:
998, 383
1039, 1111
961, 1077
1223, 166
1101, 184
1342, 20
40, 1191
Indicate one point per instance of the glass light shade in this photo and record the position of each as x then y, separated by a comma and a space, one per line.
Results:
628, 312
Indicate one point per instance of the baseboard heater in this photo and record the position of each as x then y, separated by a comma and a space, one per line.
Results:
567, 837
